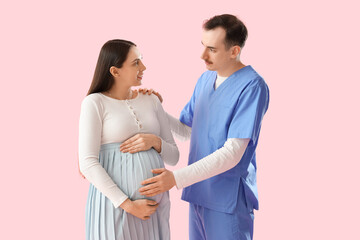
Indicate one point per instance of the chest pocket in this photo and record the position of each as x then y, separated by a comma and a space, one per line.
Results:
219, 121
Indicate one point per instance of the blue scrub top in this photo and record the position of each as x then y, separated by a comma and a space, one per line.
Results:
234, 110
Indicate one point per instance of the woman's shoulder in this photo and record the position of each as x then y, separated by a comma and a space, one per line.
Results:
149, 99
152, 98
93, 99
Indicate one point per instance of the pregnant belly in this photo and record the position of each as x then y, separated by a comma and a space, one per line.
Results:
129, 170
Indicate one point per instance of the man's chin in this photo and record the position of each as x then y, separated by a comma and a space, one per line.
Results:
209, 66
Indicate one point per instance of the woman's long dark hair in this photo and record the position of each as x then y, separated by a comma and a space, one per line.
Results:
113, 53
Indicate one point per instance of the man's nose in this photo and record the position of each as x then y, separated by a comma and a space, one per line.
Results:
204, 55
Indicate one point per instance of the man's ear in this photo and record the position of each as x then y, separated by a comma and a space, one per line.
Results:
114, 71
235, 51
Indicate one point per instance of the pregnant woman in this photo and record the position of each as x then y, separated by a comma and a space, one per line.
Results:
112, 114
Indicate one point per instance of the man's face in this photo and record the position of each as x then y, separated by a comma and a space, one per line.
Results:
215, 55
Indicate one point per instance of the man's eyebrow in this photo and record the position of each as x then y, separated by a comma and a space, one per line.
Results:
208, 46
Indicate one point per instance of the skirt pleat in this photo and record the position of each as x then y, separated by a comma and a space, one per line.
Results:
103, 221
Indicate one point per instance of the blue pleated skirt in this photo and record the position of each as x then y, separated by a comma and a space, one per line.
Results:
103, 221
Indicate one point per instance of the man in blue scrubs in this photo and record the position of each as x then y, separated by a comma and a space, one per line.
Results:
223, 118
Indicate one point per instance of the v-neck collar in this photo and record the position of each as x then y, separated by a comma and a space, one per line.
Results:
232, 76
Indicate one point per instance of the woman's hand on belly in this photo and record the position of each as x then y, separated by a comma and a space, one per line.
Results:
141, 208
141, 142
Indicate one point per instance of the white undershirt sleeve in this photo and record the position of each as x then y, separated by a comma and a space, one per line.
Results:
180, 130
218, 162
90, 128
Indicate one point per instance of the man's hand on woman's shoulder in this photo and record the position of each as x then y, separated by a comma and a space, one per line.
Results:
149, 92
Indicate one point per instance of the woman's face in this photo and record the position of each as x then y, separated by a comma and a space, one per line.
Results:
132, 71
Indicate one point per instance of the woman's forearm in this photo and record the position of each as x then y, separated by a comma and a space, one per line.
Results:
180, 130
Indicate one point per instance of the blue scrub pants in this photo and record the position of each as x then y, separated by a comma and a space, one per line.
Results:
207, 224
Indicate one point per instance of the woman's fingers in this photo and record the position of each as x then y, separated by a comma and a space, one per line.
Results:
135, 147
151, 202
131, 142
142, 208
140, 142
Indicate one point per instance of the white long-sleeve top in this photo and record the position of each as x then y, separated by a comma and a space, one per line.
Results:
218, 162
107, 120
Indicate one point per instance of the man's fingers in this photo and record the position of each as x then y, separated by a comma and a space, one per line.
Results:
151, 91
158, 170
143, 90
148, 182
153, 179
151, 192
159, 96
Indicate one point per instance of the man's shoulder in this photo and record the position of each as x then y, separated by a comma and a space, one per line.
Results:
207, 74
254, 79
203, 80
257, 81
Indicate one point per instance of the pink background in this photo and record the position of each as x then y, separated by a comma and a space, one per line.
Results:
308, 154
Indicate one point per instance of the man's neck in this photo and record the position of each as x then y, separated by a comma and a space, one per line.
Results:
231, 69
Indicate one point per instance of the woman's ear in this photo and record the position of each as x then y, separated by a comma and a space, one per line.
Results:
114, 71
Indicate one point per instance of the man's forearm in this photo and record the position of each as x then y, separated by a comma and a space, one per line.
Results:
214, 164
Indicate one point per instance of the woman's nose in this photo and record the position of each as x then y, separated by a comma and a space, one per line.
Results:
143, 68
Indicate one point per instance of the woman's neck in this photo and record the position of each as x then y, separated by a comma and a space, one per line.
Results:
120, 93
